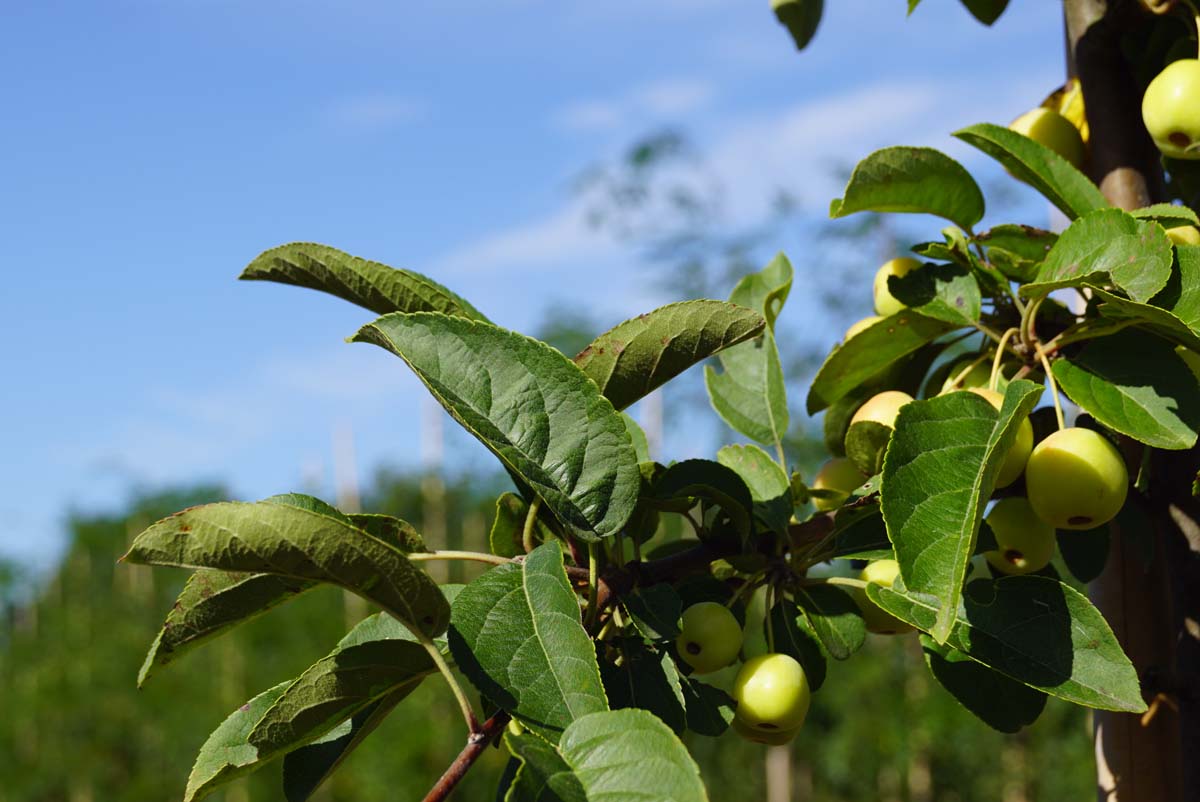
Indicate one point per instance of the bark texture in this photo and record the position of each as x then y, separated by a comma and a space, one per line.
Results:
1150, 590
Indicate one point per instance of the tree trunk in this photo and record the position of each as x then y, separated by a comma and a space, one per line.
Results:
1139, 760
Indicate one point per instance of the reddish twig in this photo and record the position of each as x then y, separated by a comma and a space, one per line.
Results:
476, 744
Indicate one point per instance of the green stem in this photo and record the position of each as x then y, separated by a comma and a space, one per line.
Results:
464, 703
593, 584
832, 580
530, 520
1083, 331
781, 456
1028, 332
477, 556
770, 629
1058, 413
994, 380
747, 585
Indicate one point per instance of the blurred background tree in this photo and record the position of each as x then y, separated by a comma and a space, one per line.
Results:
76, 729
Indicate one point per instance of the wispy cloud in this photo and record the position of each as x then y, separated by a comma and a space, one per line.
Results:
653, 102
374, 112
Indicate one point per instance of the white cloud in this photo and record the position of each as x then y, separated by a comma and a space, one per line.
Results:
554, 240
374, 112
751, 157
653, 102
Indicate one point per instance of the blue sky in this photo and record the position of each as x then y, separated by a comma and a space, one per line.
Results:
150, 148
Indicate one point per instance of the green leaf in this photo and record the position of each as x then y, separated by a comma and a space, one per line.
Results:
712, 482
1035, 630
1017, 251
390, 530
641, 446
907, 179
870, 352
508, 527
944, 292
211, 604
749, 393
709, 709
646, 680
374, 661
1175, 312
227, 754
655, 611
1037, 165
543, 775
286, 540
1134, 383
516, 634
767, 290
860, 534
306, 768
768, 484
800, 17
634, 358
795, 637
630, 754
531, 406
986, 11
866, 443
1001, 703
371, 285
939, 472
1085, 553
1103, 246
835, 618
1168, 215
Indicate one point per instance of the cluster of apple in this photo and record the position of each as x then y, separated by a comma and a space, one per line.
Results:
1074, 478
771, 690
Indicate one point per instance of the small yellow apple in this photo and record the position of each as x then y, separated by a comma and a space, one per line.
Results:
1048, 127
882, 408
1075, 479
1018, 453
837, 474
878, 620
1184, 235
710, 637
772, 693
1171, 109
885, 302
861, 326
1026, 542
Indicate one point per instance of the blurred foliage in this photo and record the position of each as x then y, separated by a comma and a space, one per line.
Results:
76, 729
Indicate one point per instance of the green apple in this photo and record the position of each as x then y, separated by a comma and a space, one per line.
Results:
861, 326
768, 737
1171, 109
882, 408
1075, 479
1018, 453
886, 303
880, 621
870, 430
1048, 127
978, 376
772, 693
710, 637
1184, 235
1026, 542
837, 474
